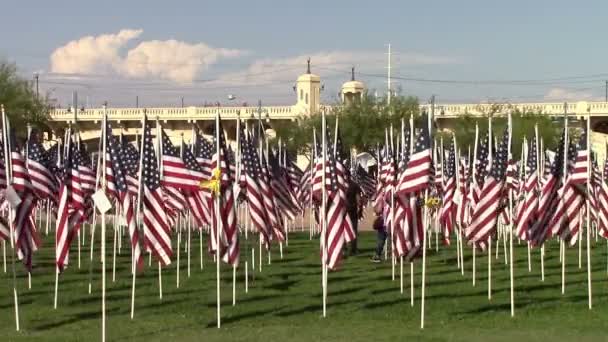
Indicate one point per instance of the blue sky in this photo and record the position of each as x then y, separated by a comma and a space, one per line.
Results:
466, 51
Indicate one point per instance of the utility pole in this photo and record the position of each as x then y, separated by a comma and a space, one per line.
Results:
182, 102
606, 98
388, 98
75, 105
36, 77
136, 101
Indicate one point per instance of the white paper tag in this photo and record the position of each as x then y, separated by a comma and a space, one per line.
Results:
101, 201
122, 221
12, 197
457, 197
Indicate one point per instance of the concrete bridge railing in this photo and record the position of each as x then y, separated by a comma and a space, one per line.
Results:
189, 114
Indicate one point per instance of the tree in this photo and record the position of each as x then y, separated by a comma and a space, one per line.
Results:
524, 123
362, 124
20, 102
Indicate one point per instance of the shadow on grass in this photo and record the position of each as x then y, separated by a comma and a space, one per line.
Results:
240, 317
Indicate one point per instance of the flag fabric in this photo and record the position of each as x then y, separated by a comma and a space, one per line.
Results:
528, 207
603, 202
27, 240
251, 174
176, 173
39, 169
68, 209
447, 214
488, 208
115, 166
566, 220
335, 210
156, 227
548, 198
462, 195
228, 245
270, 205
418, 173
194, 197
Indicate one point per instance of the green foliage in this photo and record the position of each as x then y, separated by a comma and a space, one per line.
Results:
523, 128
21, 104
362, 125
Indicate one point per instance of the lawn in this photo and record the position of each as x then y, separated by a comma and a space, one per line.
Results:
284, 300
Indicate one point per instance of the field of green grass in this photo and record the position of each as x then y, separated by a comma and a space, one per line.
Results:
284, 301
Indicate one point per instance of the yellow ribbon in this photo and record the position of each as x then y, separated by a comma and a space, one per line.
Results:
432, 202
214, 183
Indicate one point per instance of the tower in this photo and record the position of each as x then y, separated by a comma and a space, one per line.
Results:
352, 90
308, 89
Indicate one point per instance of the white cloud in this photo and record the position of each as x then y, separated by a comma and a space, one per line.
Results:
562, 94
91, 54
326, 63
171, 60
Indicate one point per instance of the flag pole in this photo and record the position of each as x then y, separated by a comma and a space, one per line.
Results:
218, 219
511, 219
412, 259
539, 173
103, 234
457, 192
426, 221
589, 165
159, 147
322, 211
490, 154
97, 187
563, 245
474, 181
9, 177
402, 152
138, 210
392, 212
179, 220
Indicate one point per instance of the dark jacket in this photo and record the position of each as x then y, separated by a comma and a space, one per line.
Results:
379, 223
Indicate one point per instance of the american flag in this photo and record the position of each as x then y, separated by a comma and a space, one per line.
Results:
528, 207
86, 170
487, 209
27, 240
229, 238
176, 173
305, 186
2, 167
336, 209
38, 165
548, 199
130, 159
481, 168
272, 210
251, 175
566, 221
403, 212
285, 200
418, 173
293, 171
447, 214
69, 207
462, 214
603, 201
156, 227
116, 157
195, 199
317, 179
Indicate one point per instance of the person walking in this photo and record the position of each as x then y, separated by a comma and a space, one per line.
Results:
380, 229
353, 210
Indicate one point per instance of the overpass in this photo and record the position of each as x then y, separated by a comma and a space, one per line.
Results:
178, 121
